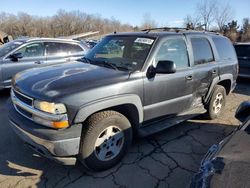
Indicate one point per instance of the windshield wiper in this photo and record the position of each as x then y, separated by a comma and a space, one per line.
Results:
107, 64
85, 60
123, 68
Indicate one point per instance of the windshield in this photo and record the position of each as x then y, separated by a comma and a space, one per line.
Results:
125, 53
8, 47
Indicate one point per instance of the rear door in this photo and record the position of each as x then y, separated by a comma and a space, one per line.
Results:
204, 66
243, 54
59, 52
33, 56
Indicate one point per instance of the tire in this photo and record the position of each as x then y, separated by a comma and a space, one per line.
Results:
216, 103
105, 139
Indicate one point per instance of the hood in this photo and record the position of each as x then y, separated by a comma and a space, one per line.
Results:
52, 82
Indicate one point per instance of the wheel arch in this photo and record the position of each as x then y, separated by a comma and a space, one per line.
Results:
226, 84
225, 80
130, 106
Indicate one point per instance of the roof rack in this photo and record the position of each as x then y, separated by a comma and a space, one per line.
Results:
176, 29
165, 29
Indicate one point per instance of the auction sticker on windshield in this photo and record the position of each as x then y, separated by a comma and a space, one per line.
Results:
144, 41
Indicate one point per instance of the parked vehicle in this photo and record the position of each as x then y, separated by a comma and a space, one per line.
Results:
227, 164
243, 54
22, 54
128, 84
4, 38
91, 43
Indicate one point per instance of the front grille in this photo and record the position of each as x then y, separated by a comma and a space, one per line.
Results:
24, 112
23, 98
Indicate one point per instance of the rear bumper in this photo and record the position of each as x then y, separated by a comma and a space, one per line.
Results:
58, 145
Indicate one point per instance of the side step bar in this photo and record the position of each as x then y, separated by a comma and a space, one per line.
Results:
164, 123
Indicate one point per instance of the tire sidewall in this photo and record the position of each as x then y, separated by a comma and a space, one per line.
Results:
218, 89
87, 151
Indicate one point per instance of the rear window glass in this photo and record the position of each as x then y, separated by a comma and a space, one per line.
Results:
242, 50
202, 51
62, 49
225, 48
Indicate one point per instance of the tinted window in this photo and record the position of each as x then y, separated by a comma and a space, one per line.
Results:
242, 50
201, 50
32, 50
62, 49
174, 50
224, 47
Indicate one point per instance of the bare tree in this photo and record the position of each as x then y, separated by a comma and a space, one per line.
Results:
224, 14
207, 9
231, 30
191, 22
148, 22
246, 29
63, 23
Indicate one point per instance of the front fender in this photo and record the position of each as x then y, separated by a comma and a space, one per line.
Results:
86, 110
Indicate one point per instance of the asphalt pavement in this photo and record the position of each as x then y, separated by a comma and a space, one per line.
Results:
166, 159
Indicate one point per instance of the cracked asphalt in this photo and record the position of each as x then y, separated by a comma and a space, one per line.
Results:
166, 159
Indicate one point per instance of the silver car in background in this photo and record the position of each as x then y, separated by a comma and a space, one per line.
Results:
22, 54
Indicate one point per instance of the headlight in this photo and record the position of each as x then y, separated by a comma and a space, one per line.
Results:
50, 107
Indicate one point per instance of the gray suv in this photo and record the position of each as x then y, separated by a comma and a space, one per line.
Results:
22, 54
128, 84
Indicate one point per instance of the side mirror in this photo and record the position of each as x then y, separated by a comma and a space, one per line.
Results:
243, 111
16, 56
165, 67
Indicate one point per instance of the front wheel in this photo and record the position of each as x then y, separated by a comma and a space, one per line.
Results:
217, 102
105, 140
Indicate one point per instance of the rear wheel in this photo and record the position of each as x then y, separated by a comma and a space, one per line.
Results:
105, 140
217, 102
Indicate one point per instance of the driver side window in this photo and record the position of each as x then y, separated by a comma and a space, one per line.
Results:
174, 50
32, 50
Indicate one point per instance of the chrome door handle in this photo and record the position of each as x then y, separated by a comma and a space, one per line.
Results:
214, 72
190, 77
39, 62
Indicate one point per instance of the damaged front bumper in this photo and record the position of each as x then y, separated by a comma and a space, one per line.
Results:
61, 146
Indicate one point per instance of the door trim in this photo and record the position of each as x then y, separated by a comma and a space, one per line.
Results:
163, 103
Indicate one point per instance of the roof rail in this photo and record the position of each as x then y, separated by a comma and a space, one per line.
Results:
177, 29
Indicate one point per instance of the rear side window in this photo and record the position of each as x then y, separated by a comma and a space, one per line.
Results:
202, 51
242, 50
224, 47
62, 49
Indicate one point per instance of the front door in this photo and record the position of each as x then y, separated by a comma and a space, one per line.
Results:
32, 56
169, 94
